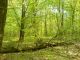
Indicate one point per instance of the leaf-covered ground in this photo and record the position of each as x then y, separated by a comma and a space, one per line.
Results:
70, 52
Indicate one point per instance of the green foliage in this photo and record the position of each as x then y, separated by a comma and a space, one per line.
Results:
10, 46
45, 19
39, 42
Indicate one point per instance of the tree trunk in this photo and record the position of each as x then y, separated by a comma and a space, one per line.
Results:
3, 12
58, 20
35, 26
21, 38
45, 23
72, 18
62, 18
73, 7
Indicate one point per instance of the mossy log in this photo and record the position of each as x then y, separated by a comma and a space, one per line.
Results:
34, 48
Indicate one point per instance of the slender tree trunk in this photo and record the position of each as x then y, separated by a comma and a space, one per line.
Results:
72, 18
58, 25
73, 7
73, 21
58, 19
21, 38
34, 22
62, 17
3, 12
45, 26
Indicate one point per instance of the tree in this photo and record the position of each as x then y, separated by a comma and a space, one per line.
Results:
34, 21
21, 38
73, 8
45, 24
3, 12
60, 18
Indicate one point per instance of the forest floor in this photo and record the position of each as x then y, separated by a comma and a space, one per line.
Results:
65, 52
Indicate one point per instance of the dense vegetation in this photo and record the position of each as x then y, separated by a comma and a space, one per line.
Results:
39, 29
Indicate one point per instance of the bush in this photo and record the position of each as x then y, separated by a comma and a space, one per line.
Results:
39, 42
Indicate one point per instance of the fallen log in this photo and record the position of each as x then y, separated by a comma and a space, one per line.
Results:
34, 48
